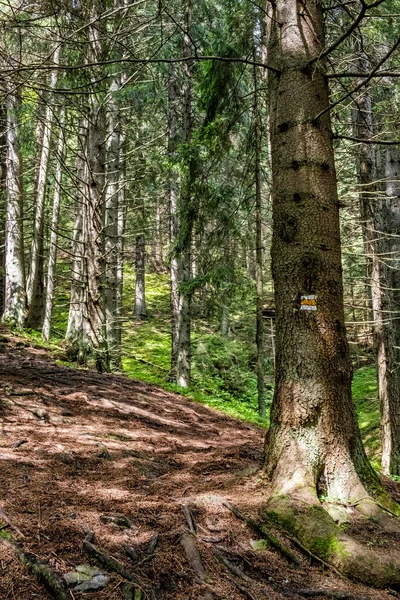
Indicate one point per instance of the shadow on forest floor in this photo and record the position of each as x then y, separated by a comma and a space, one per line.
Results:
79, 449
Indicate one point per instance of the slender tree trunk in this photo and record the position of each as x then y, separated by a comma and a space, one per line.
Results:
111, 228
182, 225
75, 336
389, 381
51, 267
3, 200
260, 341
173, 214
34, 286
122, 211
14, 302
380, 224
140, 287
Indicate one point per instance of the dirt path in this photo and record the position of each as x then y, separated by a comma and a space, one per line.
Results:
79, 449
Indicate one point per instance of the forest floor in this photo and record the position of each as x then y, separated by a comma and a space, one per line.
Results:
139, 467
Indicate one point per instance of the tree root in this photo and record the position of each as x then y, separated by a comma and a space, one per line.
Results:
260, 529
318, 533
106, 561
193, 555
336, 594
47, 576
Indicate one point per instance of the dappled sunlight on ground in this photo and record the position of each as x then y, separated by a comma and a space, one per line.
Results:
80, 450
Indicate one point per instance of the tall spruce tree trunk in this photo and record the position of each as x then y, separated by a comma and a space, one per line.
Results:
75, 336
111, 228
52, 262
260, 341
3, 200
313, 445
122, 212
34, 284
14, 299
380, 221
94, 203
86, 333
182, 217
389, 367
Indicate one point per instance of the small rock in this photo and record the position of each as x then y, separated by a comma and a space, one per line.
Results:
95, 583
83, 574
88, 570
41, 413
259, 544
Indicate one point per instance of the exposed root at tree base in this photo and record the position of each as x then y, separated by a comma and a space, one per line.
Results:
318, 533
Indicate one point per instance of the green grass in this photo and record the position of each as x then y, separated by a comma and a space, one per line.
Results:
365, 397
222, 368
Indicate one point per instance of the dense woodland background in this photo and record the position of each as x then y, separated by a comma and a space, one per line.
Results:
135, 191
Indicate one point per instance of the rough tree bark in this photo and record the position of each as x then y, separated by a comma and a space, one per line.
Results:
51, 267
86, 335
94, 204
34, 284
15, 299
313, 444
75, 336
389, 386
111, 227
181, 219
260, 341
380, 225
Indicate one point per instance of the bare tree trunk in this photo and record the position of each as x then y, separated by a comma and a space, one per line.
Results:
111, 228
313, 443
75, 335
122, 211
3, 200
14, 302
260, 341
34, 285
140, 285
389, 381
181, 228
380, 224
51, 267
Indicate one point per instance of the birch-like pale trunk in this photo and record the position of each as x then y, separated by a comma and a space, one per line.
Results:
3, 200
15, 299
121, 231
111, 226
75, 334
260, 342
51, 267
34, 285
140, 271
